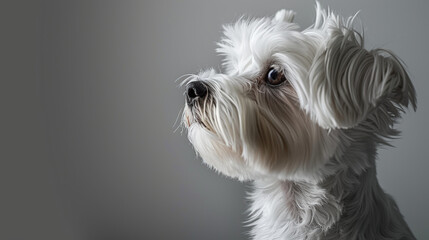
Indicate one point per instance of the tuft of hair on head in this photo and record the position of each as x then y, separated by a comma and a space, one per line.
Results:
284, 16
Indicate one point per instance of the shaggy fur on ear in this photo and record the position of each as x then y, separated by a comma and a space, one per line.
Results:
348, 82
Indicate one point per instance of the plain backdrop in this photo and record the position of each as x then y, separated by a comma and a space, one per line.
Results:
88, 105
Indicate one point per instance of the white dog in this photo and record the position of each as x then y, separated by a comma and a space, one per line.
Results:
301, 113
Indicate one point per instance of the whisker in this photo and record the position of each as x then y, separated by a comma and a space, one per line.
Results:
184, 75
181, 112
188, 78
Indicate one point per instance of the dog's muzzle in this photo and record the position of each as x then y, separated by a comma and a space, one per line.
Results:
195, 91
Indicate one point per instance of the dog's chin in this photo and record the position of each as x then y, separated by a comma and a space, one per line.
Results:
215, 153
212, 149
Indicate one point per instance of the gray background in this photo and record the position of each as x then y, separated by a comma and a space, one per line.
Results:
88, 105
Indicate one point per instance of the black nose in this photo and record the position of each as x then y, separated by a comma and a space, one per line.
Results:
194, 90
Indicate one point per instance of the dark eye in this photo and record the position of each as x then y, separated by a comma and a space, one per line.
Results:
274, 77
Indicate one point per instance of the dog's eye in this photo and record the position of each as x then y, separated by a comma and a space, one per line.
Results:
274, 77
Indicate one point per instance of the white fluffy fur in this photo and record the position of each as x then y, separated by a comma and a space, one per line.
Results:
309, 144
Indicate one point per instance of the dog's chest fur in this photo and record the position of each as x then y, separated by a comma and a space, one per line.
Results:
349, 204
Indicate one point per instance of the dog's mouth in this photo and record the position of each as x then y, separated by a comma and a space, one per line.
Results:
199, 112
190, 117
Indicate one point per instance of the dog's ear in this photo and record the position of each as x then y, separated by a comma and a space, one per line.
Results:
283, 16
347, 82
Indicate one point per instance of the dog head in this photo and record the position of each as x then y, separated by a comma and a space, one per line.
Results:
286, 96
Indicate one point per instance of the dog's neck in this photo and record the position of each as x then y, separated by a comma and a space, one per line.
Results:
298, 209
349, 204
